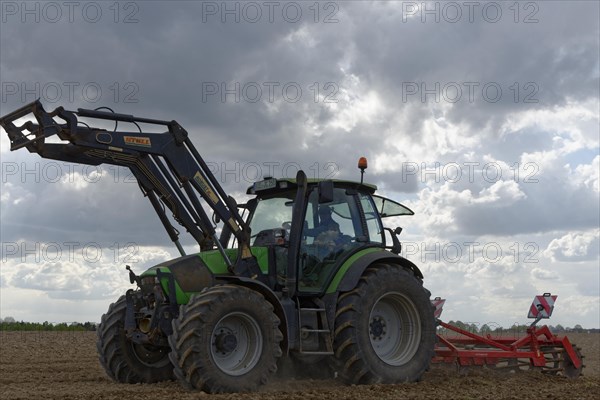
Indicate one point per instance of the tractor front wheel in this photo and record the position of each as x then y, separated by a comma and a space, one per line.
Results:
125, 361
226, 339
384, 328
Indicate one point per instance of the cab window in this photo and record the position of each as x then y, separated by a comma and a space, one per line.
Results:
376, 233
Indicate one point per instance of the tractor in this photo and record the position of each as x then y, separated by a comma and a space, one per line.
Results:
303, 271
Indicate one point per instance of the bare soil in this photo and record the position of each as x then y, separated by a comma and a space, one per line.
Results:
64, 365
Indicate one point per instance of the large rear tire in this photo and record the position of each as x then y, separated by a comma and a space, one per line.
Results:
226, 339
125, 361
384, 328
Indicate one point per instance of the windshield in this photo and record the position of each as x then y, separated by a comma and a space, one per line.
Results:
271, 213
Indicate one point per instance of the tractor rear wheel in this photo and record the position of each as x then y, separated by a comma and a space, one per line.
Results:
125, 361
384, 328
226, 339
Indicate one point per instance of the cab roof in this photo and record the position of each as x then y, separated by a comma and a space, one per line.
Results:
272, 185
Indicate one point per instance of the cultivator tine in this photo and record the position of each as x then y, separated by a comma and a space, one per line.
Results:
507, 366
553, 351
551, 371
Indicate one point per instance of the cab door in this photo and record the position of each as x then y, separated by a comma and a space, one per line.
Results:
333, 231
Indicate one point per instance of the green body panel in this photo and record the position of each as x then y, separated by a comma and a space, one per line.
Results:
182, 297
346, 265
214, 262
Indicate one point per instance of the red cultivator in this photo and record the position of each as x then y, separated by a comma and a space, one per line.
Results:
539, 348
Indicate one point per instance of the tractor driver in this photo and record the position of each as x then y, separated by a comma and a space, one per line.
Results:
327, 224
327, 233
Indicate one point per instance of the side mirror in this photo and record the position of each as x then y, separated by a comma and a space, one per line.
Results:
396, 247
325, 192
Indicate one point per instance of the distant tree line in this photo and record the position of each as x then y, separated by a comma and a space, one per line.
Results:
494, 328
10, 324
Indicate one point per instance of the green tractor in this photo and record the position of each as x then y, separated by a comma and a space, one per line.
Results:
302, 271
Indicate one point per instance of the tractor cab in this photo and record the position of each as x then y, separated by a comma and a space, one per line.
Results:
337, 219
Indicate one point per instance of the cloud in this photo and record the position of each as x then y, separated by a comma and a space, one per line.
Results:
542, 274
589, 174
449, 210
64, 280
531, 202
573, 125
575, 246
72, 272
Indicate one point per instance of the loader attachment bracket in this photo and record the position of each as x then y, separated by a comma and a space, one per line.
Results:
31, 135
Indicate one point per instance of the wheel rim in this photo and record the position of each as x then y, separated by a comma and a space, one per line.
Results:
394, 329
236, 343
150, 356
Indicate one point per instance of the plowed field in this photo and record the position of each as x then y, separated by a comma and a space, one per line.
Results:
64, 365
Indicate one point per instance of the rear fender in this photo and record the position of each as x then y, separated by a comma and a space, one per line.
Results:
350, 279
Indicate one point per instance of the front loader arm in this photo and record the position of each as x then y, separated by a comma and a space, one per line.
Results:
167, 166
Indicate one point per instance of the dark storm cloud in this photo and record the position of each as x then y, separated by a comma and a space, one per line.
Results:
42, 207
171, 56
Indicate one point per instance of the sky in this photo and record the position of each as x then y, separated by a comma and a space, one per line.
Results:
482, 117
